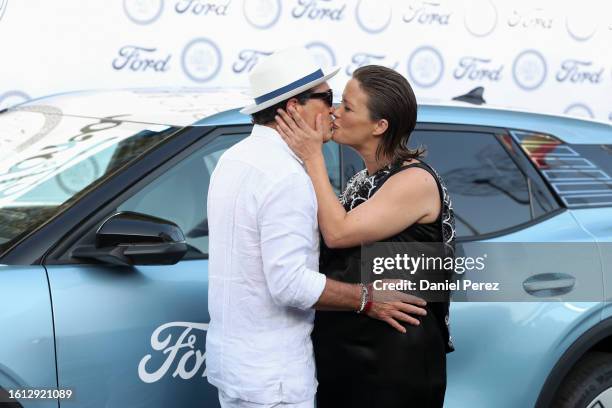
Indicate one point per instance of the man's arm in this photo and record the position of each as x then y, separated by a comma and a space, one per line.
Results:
393, 309
287, 215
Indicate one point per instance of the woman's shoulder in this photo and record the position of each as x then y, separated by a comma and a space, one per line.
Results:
414, 180
413, 170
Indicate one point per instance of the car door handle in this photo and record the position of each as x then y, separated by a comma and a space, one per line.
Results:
549, 284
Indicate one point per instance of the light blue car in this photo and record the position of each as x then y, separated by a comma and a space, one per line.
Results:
103, 246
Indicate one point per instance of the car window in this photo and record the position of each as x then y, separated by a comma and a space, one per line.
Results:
331, 151
488, 191
180, 194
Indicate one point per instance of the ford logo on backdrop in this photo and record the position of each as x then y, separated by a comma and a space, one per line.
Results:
3, 4
581, 22
247, 59
319, 10
425, 66
373, 16
12, 98
363, 58
579, 72
202, 8
535, 18
477, 69
323, 54
579, 109
141, 59
427, 13
201, 60
529, 70
262, 13
143, 11
480, 17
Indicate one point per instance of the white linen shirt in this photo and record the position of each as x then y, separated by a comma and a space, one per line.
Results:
263, 272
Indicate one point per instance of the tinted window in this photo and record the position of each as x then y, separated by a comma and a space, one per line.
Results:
180, 194
488, 191
331, 151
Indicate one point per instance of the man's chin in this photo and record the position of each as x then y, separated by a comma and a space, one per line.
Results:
328, 137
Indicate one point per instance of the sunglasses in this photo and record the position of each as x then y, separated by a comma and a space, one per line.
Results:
327, 97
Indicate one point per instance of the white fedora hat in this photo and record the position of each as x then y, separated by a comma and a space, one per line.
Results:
282, 75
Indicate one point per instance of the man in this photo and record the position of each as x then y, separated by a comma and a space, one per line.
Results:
264, 282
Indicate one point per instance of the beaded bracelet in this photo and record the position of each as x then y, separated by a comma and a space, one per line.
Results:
364, 298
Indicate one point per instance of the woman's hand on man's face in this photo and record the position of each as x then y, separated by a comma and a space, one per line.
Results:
305, 141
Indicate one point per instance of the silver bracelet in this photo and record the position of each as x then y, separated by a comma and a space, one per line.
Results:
364, 298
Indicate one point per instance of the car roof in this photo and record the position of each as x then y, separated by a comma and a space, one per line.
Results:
164, 106
568, 129
220, 106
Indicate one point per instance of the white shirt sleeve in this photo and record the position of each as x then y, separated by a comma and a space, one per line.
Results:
287, 216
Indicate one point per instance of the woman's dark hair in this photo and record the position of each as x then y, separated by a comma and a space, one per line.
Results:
390, 97
265, 116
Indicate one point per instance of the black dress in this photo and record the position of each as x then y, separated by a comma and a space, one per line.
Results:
363, 362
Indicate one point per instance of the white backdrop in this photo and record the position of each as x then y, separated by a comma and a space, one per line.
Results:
540, 55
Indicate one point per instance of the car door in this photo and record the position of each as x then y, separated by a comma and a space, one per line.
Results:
135, 336
27, 360
500, 200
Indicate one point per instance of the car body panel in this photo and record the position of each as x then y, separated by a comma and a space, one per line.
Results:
27, 354
542, 331
108, 349
599, 223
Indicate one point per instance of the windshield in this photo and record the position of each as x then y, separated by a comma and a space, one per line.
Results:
47, 160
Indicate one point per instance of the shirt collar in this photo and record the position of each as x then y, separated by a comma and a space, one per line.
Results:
268, 133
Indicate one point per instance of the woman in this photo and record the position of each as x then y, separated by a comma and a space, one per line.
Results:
397, 198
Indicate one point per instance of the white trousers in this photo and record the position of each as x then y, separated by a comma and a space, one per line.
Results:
228, 402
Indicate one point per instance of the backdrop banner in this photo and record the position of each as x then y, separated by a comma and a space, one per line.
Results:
544, 55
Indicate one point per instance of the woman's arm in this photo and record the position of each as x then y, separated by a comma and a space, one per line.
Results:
402, 201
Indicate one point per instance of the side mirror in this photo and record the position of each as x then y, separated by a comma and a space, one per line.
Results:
129, 238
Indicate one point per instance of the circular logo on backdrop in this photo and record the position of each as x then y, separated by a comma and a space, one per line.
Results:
201, 60
323, 54
480, 17
12, 98
373, 16
529, 70
579, 109
262, 13
581, 21
425, 66
3, 4
143, 11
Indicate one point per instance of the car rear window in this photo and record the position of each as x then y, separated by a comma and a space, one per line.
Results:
580, 174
